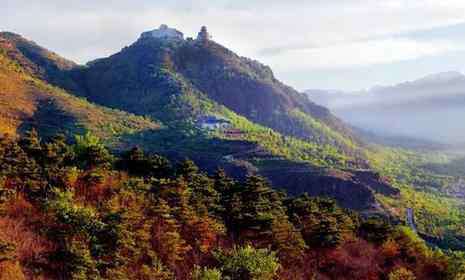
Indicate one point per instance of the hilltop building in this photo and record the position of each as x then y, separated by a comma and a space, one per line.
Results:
203, 34
167, 33
164, 32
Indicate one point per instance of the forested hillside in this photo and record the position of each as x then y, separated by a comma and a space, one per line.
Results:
79, 212
27, 102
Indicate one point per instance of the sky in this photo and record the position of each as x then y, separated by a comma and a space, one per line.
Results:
309, 44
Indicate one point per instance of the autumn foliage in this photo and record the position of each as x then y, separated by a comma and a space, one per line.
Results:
76, 211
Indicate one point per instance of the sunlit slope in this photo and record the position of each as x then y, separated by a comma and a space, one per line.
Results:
27, 102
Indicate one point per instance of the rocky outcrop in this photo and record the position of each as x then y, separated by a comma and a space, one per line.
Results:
376, 182
354, 190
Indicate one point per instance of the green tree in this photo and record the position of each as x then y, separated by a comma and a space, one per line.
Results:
91, 153
136, 162
187, 168
401, 273
206, 273
375, 230
204, 198
24, 172
248, 263
456, 268
321, 222
287, 241
31, 144
166, 239
250, 210
226, 187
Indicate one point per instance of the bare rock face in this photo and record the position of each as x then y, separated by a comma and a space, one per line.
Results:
376, 182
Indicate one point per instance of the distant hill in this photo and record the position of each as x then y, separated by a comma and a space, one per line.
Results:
428, 109
33, 58
27, 101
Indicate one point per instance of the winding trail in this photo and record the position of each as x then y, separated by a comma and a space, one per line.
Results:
411, 220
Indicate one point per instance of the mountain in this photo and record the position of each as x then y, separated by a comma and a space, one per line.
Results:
83, 210
28, 101
37, 60
156, 93
193, 98
144, 77
427, 109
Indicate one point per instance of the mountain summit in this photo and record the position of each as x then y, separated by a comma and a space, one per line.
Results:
162, 65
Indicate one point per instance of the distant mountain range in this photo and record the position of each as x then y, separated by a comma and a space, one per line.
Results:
428, 109
155, 92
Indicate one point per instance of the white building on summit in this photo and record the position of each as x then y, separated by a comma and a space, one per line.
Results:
167, 33
164, 32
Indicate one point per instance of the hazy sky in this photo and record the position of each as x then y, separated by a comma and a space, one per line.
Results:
338, 44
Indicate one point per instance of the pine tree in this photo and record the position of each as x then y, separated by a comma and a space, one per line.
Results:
320, 221
187, 168
223, 183
138, 163
166, 239
31, 144
249, 211
287, 241
203, 196
91, 153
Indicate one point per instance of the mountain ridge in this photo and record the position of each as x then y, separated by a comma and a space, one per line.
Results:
28, 102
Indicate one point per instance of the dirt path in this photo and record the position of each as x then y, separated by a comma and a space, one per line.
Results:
411, 220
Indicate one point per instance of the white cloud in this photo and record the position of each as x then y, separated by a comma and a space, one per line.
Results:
364, 53
342, 32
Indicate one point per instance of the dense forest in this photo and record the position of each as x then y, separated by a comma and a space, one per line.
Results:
74, 210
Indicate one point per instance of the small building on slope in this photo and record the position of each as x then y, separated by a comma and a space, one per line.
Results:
211, 122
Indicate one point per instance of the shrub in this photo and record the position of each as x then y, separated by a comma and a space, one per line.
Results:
206, 274
248, 263
401, 273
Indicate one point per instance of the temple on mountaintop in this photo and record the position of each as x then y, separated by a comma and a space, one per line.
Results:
167, 33
164, 32
203, 34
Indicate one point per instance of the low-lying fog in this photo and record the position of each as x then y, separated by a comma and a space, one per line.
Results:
431, 108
